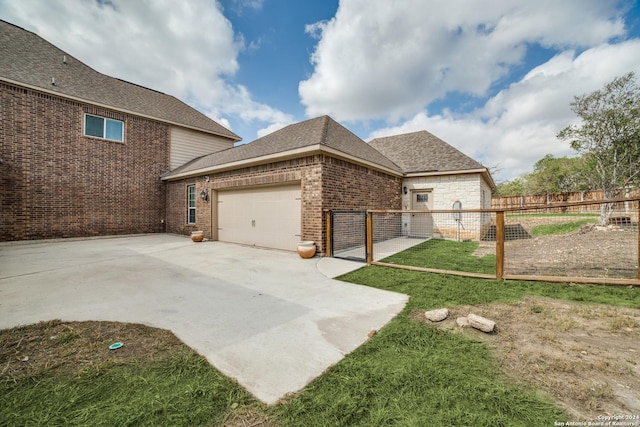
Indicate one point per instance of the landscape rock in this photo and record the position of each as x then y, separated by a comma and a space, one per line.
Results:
481, 323
437, 315
463, 322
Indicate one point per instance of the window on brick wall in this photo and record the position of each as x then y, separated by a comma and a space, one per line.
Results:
101, 127
191, 204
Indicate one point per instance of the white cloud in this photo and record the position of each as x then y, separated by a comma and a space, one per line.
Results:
185, 49
518, 126
238, 102
272, 128
387, 60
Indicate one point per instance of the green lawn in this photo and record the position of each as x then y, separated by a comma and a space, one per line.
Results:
406, 375
412, 375
445, 255
561, 228
181, 389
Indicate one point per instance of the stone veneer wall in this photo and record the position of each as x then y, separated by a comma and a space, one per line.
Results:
55, 182
470, 189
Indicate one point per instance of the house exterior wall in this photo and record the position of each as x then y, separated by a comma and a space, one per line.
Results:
187, 144
326, 183
470, 189
55, 182
305, 170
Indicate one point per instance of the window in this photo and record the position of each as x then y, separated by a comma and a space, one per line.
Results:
422, 198
191, 204
101, 127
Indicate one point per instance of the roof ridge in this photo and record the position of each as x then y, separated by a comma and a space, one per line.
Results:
422, 151
17, 26
325, 129
134, 84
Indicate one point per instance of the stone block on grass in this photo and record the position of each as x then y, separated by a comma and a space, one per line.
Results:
437, 315
481, 323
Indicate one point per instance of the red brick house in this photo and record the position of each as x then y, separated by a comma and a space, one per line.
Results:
272, 191
82, 153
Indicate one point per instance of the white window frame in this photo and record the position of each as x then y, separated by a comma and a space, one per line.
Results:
191, 208
105, 120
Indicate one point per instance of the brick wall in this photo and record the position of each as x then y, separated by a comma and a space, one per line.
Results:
349, 186
326, 183
353, 187
54, 182
295, 170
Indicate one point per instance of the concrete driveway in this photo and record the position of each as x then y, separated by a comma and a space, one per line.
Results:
267, 318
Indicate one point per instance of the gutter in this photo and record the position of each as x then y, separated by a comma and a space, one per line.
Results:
283, 155
484, 172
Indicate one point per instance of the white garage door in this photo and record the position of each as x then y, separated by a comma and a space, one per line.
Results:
268, 217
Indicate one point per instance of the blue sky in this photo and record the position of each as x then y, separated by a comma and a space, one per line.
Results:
494, 78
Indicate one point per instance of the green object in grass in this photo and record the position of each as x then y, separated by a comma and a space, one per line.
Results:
115, 346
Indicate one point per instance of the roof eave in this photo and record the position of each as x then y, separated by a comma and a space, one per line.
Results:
111, 107
483, 171
285, 155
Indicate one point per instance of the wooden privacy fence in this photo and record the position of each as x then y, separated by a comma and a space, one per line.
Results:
557, 242
549, 199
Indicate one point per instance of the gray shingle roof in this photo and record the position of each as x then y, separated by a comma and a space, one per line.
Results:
322, 131
29, 59
423, 152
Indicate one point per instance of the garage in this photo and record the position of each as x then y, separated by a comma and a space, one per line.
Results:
268, 217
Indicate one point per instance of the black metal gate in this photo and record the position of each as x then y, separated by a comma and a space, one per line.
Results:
349, 235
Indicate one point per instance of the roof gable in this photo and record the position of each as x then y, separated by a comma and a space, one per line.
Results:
423, 152
321, 132
29, 59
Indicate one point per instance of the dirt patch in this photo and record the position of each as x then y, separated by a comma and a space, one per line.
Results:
592, 251
29, 350
586, 356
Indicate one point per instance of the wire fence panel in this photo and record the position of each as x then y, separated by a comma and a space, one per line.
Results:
435, 240
593, 242
348, 235
565, 243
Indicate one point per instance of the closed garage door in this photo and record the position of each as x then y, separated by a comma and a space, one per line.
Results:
268, 217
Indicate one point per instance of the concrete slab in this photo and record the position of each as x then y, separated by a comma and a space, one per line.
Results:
382, 249
267, 318
335, 267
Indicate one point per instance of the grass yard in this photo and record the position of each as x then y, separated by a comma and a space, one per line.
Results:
408, 374
63, 374
445, 255
561, 228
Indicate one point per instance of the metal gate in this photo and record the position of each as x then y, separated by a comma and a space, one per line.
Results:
349, 235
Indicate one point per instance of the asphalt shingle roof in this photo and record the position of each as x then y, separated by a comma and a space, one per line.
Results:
423, 152
323, 131
27, 58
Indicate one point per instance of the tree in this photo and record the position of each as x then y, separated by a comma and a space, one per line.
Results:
514, 187
556, 175
609, 137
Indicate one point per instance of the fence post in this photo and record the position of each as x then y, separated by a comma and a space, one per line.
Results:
638, 231
499, 245
328, 242
369, 238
